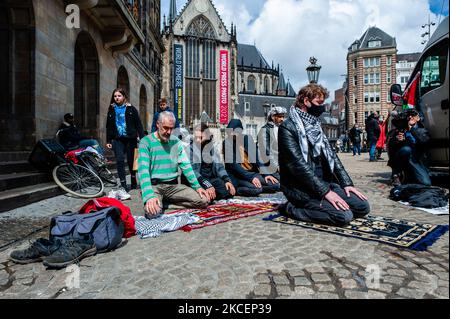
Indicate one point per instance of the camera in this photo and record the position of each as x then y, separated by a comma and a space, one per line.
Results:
400, 121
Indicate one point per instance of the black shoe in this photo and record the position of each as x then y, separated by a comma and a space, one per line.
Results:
36, 252
282, 209
71, 251
395, 181
373, 160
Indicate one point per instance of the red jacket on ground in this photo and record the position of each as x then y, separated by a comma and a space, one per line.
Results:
125, 212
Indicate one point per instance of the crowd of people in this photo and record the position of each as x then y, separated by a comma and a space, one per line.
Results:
195, 171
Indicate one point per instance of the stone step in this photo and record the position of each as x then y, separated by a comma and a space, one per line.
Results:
15, 167
22, 196
16, 180
14, 156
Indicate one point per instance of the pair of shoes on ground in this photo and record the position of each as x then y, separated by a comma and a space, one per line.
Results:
56, 253
120, 194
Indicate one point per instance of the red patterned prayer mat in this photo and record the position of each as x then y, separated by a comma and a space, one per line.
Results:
216, 214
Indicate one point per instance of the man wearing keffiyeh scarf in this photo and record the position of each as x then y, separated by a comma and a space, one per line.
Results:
313, 178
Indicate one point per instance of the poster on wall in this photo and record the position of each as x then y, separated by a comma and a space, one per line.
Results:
178, 81
223, 86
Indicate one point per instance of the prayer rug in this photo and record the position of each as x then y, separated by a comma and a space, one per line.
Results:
221, 213
386, 230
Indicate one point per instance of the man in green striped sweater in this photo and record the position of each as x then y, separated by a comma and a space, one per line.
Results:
160, 156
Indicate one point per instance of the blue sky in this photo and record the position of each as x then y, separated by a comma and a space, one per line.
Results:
290, 31
437, 5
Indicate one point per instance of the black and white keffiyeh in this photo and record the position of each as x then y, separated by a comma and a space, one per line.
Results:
309, 129
151, 228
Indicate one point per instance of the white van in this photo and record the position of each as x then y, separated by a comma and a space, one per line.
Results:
433, 95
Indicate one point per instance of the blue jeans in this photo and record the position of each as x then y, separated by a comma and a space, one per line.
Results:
373, 150
356, 148
94, 144
407, 161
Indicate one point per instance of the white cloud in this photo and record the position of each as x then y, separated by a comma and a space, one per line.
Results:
290, 31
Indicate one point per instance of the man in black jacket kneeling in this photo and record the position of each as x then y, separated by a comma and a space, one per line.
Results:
313, 178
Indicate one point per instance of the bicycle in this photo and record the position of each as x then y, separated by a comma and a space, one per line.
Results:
78, 172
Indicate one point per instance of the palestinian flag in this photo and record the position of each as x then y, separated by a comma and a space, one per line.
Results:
409, 96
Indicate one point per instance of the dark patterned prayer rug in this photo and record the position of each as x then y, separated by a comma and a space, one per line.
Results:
221, 213
386, 230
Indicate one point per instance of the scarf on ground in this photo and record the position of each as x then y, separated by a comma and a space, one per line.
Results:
151, 228
309, 129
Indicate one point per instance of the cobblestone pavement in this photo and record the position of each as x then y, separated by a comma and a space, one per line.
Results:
248, 258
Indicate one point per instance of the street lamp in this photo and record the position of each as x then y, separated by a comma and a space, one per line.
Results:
429, 24
313, 70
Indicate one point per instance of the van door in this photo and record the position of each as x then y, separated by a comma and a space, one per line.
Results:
434, 100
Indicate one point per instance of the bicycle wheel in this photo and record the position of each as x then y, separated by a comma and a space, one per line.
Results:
78, 180
97, 164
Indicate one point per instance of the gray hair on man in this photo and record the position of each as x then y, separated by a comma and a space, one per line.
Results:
164, 115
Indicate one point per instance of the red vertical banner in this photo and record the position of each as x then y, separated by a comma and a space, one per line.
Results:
223, 62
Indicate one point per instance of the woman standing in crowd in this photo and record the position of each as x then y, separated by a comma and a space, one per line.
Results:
123, 127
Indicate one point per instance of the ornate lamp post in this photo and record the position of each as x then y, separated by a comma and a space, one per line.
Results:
313, 70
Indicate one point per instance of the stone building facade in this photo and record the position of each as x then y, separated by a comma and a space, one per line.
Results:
52, 66
371, 71
405, 66
199, 63
261, 87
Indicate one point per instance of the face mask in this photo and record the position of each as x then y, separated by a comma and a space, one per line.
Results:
316, 110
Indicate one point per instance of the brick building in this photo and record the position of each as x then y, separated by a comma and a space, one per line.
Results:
371, 71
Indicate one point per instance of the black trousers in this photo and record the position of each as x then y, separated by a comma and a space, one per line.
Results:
322, 212
245, 188
221, 190
122, 146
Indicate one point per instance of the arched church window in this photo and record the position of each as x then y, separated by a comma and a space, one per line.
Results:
266, 85
251, 84
201, 28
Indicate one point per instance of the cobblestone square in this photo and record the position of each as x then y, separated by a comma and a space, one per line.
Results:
247, 258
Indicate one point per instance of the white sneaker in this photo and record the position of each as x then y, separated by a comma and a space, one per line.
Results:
112, 194
122, 194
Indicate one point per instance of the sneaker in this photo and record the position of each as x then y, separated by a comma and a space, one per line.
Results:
36, 252
112, 194
122, 194
395, 181
71, 251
